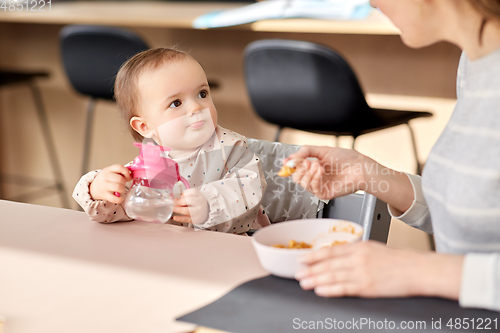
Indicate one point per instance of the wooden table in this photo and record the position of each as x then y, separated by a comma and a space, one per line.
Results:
63, 273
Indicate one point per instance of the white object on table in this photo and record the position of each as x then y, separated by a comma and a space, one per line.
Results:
283, 262
281, 9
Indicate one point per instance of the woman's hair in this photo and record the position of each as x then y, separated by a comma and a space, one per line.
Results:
490, 10
126, 84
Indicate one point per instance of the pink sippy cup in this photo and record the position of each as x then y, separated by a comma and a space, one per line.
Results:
156, 182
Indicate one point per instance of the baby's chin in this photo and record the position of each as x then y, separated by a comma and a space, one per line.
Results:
195, 139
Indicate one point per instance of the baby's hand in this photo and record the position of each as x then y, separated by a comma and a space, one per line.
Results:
108, 181
192, 207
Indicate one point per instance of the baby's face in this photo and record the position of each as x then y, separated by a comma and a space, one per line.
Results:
176, 105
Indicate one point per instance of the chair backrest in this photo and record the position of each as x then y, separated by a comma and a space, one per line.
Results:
92, 56
284, 200
303, 85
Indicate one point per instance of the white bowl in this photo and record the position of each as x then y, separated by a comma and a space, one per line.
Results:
283, 262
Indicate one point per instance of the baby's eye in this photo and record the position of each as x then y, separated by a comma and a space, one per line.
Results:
175, 104
203, 94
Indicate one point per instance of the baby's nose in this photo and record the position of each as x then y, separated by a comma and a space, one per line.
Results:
194, 111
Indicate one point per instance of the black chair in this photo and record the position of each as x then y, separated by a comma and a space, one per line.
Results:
310, 87
8, 78
92, 56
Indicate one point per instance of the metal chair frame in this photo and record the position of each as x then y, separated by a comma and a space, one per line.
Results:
44, 185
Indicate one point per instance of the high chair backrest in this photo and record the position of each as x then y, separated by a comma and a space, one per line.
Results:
284, 200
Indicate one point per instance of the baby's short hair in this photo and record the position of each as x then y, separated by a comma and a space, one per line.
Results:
126, 83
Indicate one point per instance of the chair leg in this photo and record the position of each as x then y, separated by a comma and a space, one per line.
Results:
278, 134
88, 135
336, 141
414, 144
56, 168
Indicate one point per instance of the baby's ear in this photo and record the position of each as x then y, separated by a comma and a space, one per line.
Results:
140, 126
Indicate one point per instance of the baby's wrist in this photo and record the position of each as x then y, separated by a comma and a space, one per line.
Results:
94, 194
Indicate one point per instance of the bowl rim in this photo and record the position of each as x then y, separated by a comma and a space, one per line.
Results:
281, 250
285, 250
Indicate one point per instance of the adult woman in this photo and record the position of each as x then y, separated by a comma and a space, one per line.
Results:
458, 197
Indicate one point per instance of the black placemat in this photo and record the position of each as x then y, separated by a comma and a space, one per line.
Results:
272, 304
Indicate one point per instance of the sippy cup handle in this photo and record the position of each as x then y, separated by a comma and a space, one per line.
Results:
184, 181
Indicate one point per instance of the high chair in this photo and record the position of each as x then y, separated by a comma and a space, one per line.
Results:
284, 200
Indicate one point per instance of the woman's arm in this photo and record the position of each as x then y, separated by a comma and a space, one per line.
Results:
391, 186
480, 287
338, 172
370, 269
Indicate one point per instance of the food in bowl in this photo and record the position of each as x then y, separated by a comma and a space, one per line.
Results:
337, 243
318, 233
293, 245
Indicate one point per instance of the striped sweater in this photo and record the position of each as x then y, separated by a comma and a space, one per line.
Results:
458, 196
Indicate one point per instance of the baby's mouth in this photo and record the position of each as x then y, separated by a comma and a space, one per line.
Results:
197, 124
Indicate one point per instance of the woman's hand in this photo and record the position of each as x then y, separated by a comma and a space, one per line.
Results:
334, 173
371, 269
192, 207
108, 181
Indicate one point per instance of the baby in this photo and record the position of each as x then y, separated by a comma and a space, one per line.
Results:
164, 95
